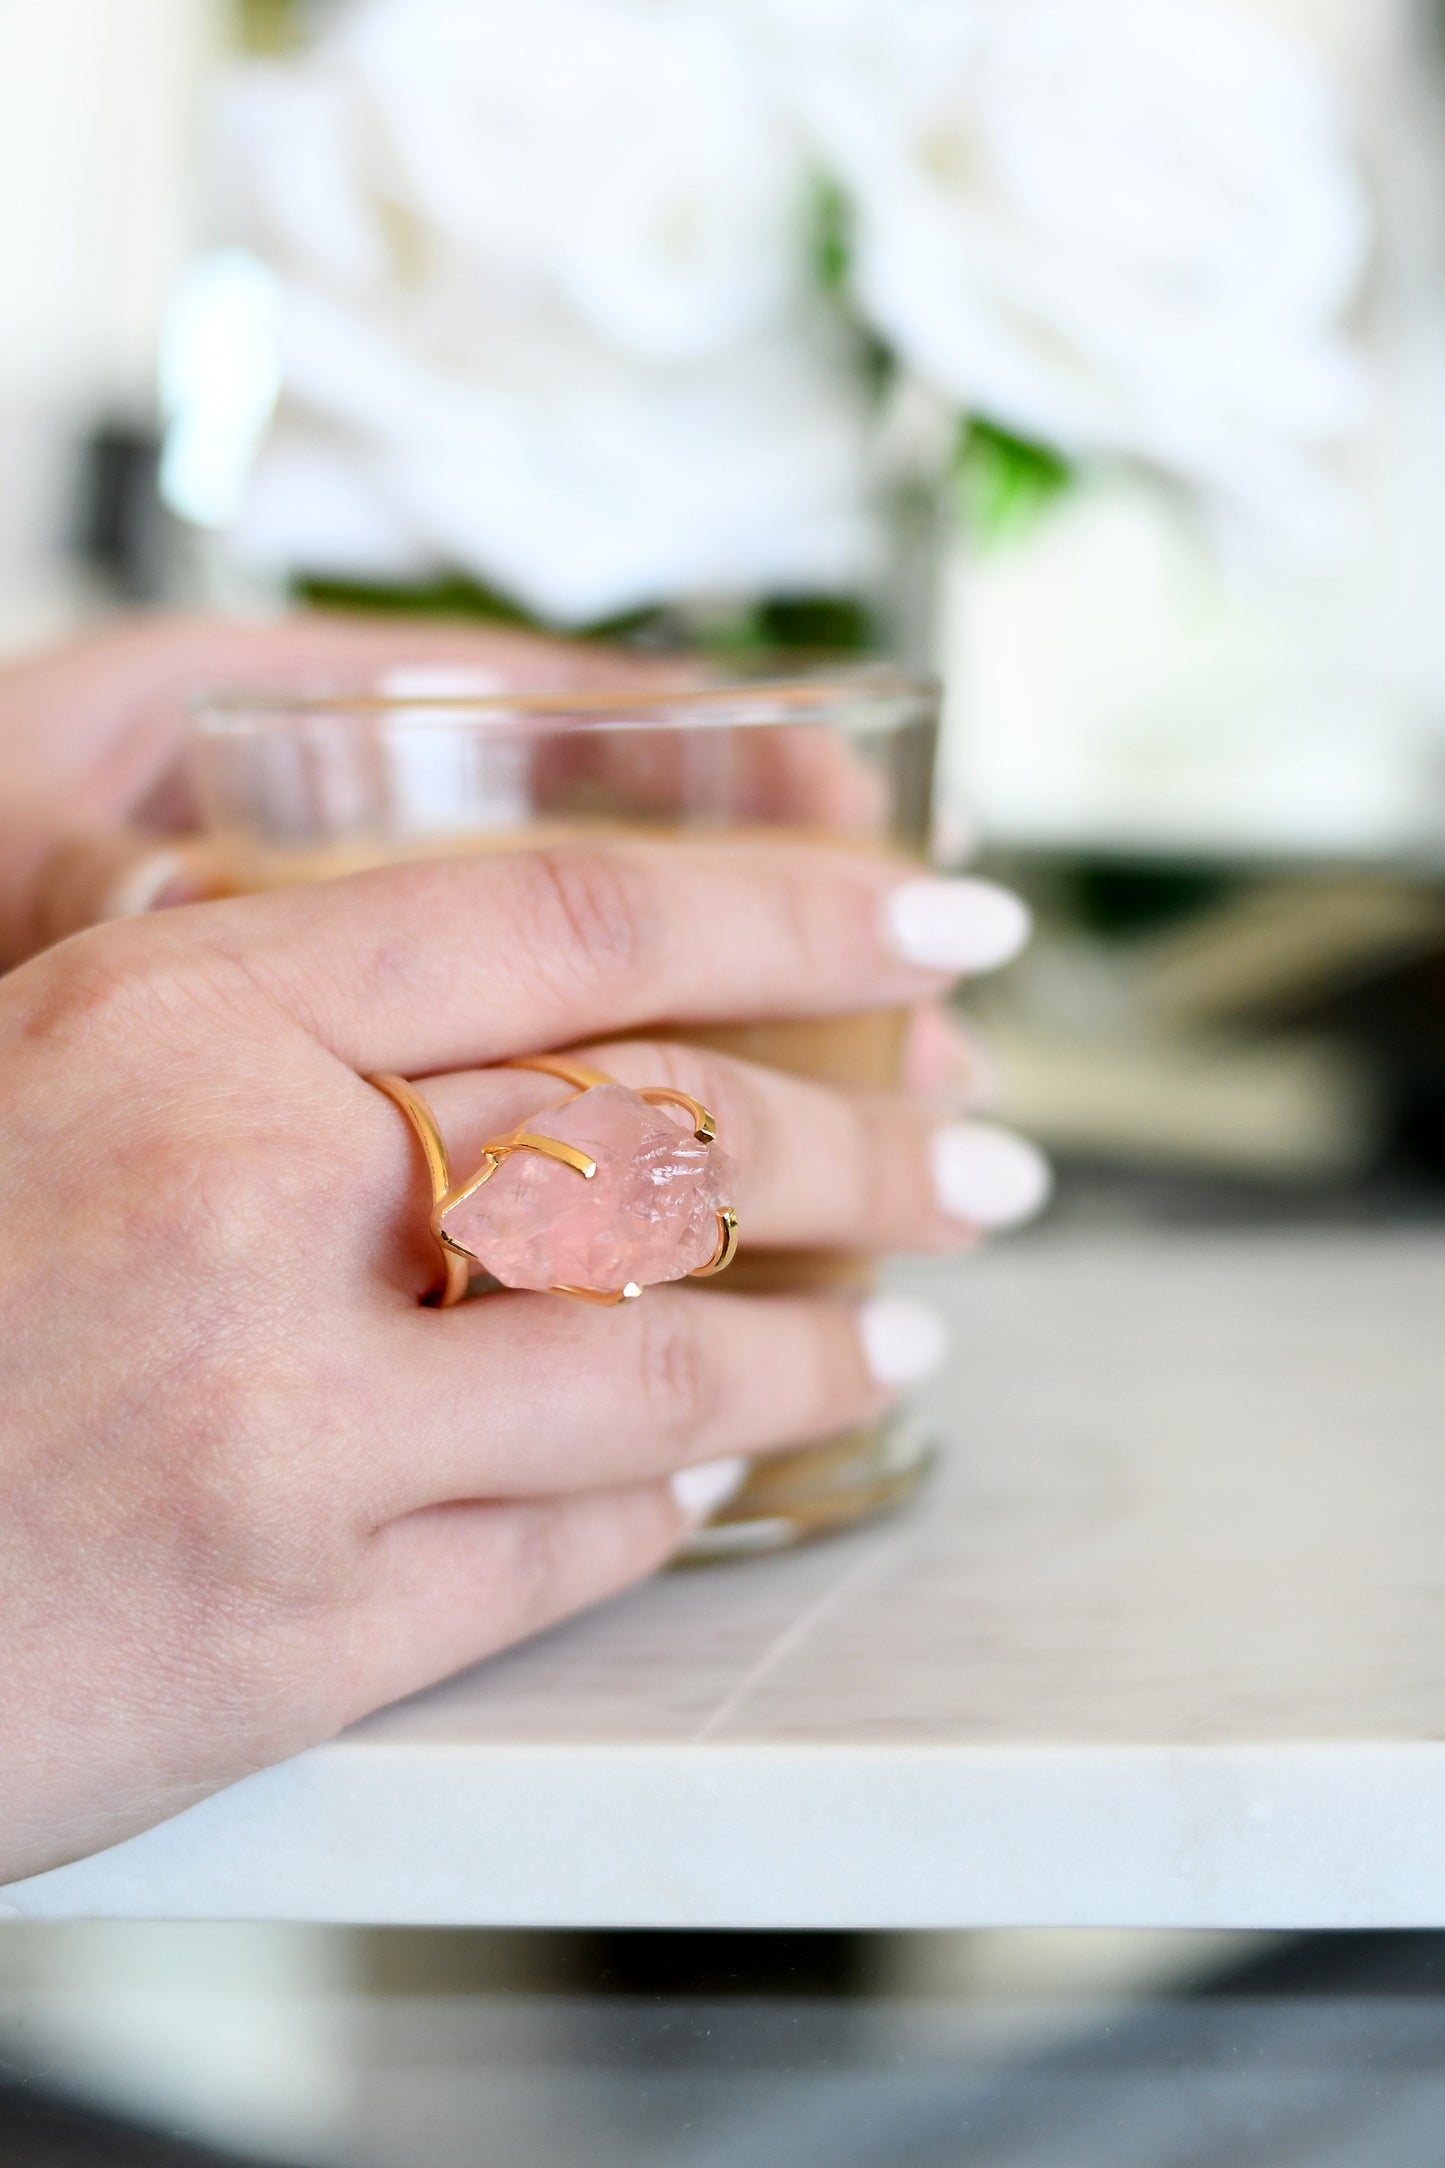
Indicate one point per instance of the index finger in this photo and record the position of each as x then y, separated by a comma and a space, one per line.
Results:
90, 733
447, 964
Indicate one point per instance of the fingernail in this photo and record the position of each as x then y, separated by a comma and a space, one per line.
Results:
903, 1340
956, 925
988, 1177
160, 878
701, 1490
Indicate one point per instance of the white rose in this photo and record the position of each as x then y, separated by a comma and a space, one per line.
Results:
630, 155
580, 482
1118, 226
627, 157
547, 311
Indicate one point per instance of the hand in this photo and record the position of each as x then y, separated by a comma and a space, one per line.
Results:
96, 815
93, 795
249, 1487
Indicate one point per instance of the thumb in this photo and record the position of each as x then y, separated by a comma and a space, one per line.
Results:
84, 878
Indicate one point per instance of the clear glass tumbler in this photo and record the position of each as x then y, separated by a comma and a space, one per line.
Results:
299, 783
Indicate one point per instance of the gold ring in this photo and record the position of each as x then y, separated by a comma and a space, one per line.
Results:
677, 1183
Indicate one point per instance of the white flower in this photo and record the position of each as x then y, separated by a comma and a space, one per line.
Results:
1116, 226
547, 301
577, 481
548, 315
629, 155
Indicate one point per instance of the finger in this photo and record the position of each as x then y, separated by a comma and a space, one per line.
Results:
948, 1061
88, 879
857, 1170
120, 698
458, 963
456, 1583
525, 1395
92, 733
817, 1168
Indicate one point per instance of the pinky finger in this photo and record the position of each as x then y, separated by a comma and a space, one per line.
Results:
457, 1583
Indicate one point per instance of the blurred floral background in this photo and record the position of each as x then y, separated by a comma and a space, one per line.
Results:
610, 303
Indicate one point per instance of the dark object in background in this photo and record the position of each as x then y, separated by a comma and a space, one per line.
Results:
1326, 2050
121, 528
37, 2131
658, 1962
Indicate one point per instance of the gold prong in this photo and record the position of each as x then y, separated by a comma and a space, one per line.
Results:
704, 1128
727, 1245
500, 1148
524, 1140
604, 1298
493, 1154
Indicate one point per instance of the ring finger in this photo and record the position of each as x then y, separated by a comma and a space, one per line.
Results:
818, 1167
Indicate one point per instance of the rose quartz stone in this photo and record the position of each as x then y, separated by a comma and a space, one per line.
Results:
648, 1214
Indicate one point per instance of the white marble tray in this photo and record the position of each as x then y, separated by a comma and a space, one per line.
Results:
1165, 1646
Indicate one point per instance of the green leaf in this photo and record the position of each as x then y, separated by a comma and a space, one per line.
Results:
832, 236
446, 596
1006, 483
775, 631
791, 629
267, 26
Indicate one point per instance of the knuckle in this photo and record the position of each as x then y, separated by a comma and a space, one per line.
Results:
535, 1568
96, 988
219, 1474
870, 1169
590, 909
681, 1385
223, 1223
240, 1511
828, 915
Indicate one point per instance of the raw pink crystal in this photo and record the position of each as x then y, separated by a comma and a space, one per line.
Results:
648, 1214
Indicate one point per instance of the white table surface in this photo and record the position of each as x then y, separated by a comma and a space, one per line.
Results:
1164, 1645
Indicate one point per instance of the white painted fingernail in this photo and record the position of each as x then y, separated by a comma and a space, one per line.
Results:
903, 1340
701, 1490
142, 887
989, 1177
956, 925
